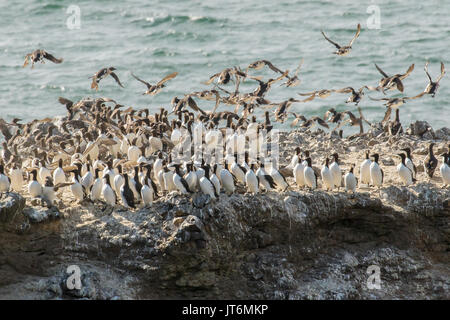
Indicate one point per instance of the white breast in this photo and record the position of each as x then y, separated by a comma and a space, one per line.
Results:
364, 172
299, 174
251, 181
336, 173
278, 179
445, 173
227, 181
215, 181
405, 174
109, 195
4, 183
410, 165
87, 180
59, 176
207, 187
192, 181
34, 189
96, 190
310, 178
77, 190
238, 173
147, 195
376, 177
350, 182
327, 178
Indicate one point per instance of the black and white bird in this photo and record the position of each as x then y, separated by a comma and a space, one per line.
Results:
409, 162
432, 86
376, 173
327, 177
364, 170
96, 189
107, 192
191, 177
310, 175
227, 180
265, 180
350, 181
336, 171
178, 180
126, 194
405, 174
298, 172
344, 50
34, 187
207, 186
251, 180
58, 174
76, 187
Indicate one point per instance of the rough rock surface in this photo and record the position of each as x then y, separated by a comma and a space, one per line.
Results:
296, 244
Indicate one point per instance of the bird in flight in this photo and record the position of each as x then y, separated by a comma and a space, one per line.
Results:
102, 73
344, 50
39, 56
155, 89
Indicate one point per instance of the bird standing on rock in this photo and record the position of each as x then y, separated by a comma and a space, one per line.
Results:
376, 173
430, 163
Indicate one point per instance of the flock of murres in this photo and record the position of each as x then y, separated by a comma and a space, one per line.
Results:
125, 156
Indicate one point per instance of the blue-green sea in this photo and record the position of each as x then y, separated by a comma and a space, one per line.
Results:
200, 38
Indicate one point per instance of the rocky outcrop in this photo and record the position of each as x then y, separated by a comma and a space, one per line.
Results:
293, 245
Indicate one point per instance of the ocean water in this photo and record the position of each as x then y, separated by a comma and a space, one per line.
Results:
200, 38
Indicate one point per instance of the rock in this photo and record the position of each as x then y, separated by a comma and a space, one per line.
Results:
418, 128
442, 134
388, 161
41, 214
11, 204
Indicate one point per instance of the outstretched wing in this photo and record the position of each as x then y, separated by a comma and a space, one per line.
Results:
426, 71
442, 72
25, 63
144, 82
48, 56
408, 72
116, 78
415, 97
334, 43
298, 68
358, 31
271, 66
381, 71
345, 90
167, 78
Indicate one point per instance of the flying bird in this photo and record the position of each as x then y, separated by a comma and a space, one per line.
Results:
395, 81
103, 73
39, 56
293, 81
155, 89
433, 86
344, 50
